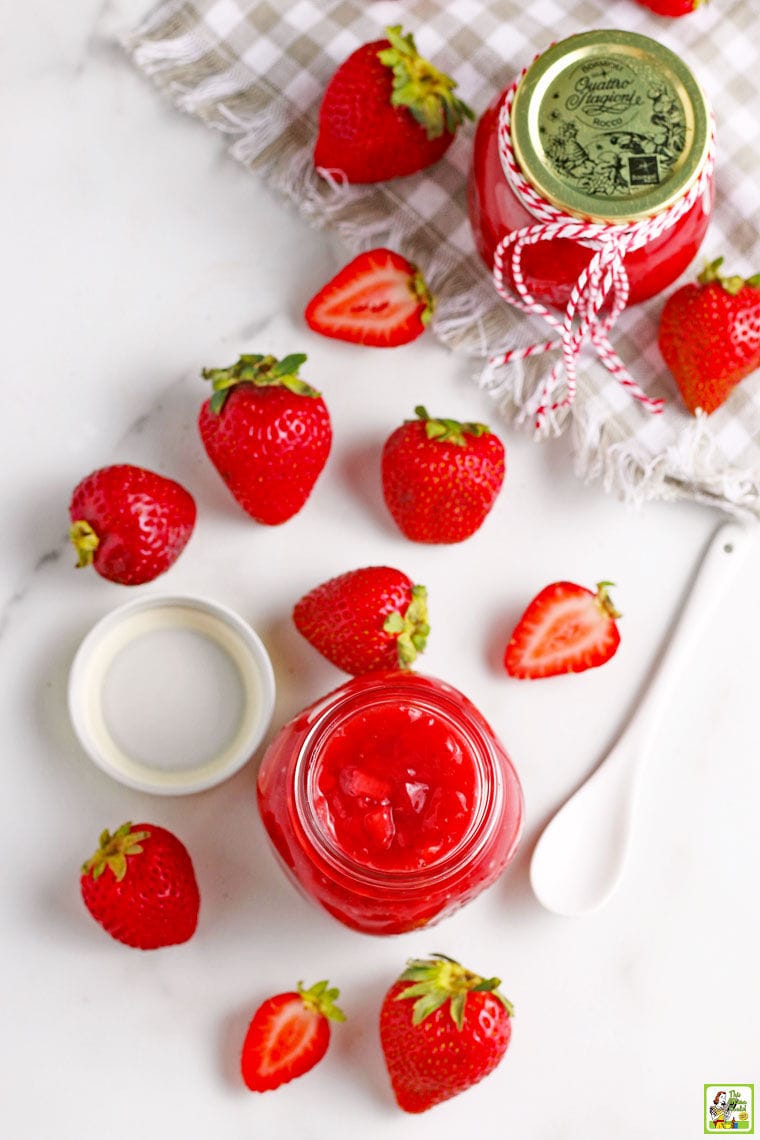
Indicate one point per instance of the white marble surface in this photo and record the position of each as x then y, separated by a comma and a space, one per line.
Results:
135, 252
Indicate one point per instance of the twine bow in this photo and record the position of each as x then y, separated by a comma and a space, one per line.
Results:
604, 281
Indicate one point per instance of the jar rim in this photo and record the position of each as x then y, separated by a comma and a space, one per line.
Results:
487, 798
610, 126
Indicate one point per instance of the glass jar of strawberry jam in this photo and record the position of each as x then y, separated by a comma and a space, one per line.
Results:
390, 802
608, 127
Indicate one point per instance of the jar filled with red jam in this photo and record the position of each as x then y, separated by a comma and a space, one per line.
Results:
610, 127
390, 802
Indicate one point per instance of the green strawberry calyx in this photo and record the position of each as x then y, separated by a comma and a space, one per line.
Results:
85, 542
262, 372
604, 601
114, 850
426, 92
321, 998
448, 431
733, 285
439, 979
411, 627
422, 295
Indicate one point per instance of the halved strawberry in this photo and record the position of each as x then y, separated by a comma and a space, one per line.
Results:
378, 299
565, 629
288, 1035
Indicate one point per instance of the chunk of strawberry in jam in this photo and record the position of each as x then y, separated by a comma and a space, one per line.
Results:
357, 782
379, 827
397, 787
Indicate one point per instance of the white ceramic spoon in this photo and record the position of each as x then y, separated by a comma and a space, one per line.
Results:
579, 858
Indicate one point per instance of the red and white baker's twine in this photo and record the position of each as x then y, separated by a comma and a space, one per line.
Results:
605, 275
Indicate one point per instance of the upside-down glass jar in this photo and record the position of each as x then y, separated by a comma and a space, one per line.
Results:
390, 802
609, 127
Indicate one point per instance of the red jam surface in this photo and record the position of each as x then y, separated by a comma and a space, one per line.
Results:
396, 787
390, 802
551, 268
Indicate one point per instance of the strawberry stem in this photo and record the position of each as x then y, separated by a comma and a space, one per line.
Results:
449, 431
85, 542
439, 979
262, 372
426, 92
733, 284
320, 998
604, 601
412, 627
422, 296
114, 851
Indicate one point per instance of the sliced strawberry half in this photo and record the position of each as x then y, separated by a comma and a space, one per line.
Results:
288, 1035
379, 299
565, 629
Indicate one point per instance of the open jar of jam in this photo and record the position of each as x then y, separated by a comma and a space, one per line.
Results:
609, 127
390, 802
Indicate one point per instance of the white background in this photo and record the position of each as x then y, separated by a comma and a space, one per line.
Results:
135, 253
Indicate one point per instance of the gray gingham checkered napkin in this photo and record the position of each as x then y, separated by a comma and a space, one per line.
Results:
256, 72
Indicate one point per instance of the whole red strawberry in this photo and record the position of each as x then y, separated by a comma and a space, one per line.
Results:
268, 434
129, 523
565, 629
379, 299
442, 1029
710, 336
140, 886
386, 112
671, 7
441, 477
288, 1035
368, 619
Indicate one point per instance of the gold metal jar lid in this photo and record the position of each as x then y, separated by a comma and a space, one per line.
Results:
610, 126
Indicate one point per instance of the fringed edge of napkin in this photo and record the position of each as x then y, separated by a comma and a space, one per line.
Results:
688, 466
685, 470
271, 137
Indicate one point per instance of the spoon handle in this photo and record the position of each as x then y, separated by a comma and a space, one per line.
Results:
719, 562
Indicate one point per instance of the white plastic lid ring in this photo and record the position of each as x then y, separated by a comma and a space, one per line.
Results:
171, 695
